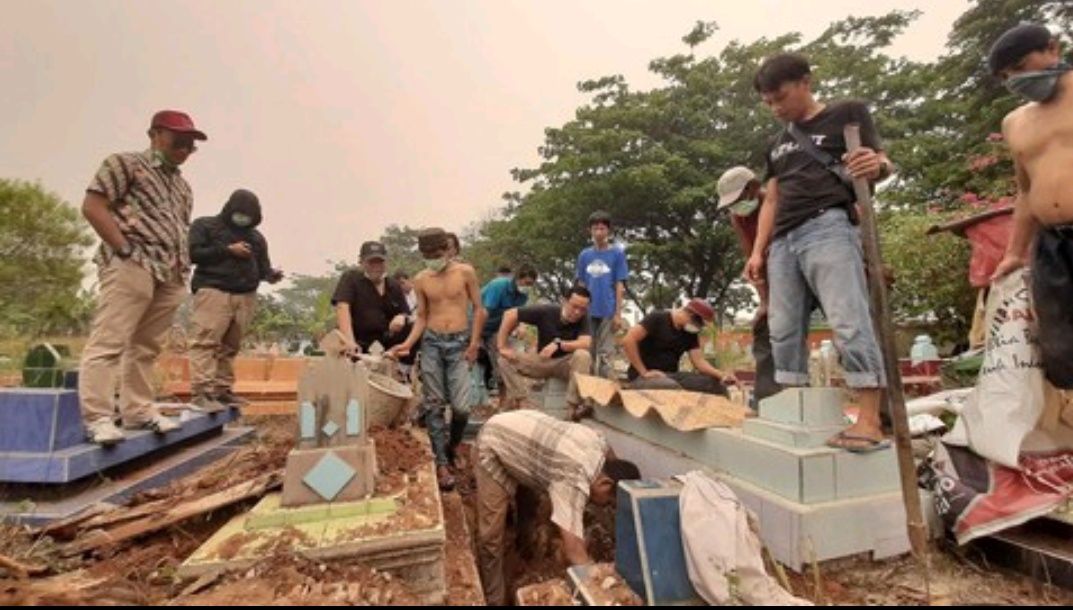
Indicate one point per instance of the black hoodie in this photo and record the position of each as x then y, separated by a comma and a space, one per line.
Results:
210, 236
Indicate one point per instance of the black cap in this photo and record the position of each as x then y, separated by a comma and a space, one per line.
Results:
1018, 41
373, 249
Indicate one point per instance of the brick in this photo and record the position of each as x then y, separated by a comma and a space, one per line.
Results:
810, 406
790, 435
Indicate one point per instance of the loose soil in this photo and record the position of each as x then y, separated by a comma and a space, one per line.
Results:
145, 572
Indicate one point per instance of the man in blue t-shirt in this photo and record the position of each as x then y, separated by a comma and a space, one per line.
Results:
602, 269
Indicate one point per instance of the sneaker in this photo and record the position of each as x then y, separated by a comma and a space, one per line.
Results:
105, 433
156, 423
227, 397
208, 404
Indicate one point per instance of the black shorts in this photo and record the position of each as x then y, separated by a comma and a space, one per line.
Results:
1052, 296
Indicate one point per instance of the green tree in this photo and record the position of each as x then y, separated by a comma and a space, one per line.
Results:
42, 250
933, 287
948, 152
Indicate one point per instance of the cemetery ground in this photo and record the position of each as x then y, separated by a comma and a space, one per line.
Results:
73, 564
39, 567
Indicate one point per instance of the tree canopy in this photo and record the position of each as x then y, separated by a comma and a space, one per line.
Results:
42, 262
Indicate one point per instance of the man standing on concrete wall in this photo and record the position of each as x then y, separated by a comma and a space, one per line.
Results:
139, 204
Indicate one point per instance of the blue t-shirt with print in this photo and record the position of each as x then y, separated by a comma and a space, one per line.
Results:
599, 271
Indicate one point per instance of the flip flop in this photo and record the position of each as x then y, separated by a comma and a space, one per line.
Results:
873, 444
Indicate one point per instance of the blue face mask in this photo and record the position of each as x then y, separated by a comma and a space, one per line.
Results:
1039, 86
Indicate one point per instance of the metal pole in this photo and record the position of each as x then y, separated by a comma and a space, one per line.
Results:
877, 289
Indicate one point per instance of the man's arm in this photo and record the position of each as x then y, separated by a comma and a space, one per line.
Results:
1025, 224
203, 250
344, 323
701, 365
631, 344
480, 315
264, 263
506, 327
574, 548
582, 343
420, 321
620, 297
754, 268
95, 208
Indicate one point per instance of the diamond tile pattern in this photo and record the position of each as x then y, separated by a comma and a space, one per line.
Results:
329, 476
329, 429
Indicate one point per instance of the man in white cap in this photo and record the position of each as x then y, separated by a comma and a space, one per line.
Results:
741, 192
655, 346
139, 204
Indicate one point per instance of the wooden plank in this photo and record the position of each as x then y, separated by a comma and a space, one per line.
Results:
104, 538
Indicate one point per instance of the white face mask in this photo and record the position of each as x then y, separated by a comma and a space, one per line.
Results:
744, 207
691, 328
435, 265
526, 290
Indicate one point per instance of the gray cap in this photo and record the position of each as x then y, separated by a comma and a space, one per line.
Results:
732, 183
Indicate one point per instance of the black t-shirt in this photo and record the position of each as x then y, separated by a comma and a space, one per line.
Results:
370, 312
664, 345
805, 186
548, 320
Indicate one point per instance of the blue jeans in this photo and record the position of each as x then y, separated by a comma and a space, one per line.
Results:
822, 255
445, 380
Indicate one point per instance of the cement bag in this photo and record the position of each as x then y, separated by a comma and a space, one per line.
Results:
721, 549
1008, 399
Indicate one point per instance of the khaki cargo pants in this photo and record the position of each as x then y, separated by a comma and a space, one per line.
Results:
134, 313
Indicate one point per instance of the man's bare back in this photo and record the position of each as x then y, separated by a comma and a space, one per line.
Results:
1040, 137
446, 297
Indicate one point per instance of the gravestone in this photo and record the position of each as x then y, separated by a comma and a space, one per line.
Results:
335, 460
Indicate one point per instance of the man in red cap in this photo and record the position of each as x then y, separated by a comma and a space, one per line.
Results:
140, 205
655, 346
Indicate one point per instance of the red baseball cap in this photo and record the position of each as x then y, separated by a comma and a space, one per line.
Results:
176, 121
702, 309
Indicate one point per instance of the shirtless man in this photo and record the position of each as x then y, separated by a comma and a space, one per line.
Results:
445, 291
1040, 137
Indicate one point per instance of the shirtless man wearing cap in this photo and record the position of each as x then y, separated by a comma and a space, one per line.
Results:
445, 289
1039, 136
139, 204
655, 346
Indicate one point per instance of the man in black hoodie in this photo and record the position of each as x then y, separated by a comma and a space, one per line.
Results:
231, 258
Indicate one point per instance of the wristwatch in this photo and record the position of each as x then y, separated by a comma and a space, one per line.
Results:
124, 251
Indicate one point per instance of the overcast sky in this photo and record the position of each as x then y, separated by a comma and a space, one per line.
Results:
346, 116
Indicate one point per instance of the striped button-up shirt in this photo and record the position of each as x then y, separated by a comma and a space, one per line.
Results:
531, 448
151, 202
